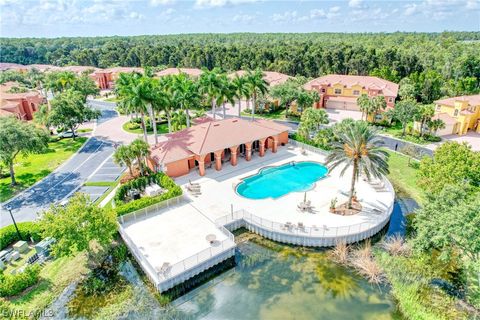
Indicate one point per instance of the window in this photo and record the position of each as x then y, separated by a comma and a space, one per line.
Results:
390, 99
323, 90
338, 91
455, 113
438, 107
356, 92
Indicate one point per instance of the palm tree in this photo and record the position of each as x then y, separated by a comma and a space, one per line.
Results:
123, 157
257, 85
226, 93
170, 103
133, 96
363, 103
358, 146
140, 151
210, 86
241, 91
186, 92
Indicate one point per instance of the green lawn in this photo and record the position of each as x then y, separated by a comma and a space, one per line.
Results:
112, 99
404, 176
396, 131
161, 128
32, 168
276, 115
55, 276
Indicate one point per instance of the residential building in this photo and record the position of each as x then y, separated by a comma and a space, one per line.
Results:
460, 114
271, 77
342, 91
21, 105
105, 78
193, 72
213, 143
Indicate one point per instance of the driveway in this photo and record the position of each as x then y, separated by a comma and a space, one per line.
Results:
472, 138
92, 160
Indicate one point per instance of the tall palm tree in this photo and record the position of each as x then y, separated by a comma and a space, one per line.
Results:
363, 103
132, 94
241, 91
210, 86
257, 85
358, 147
226, 93
140, 151
123, 156
170, 100
186, 93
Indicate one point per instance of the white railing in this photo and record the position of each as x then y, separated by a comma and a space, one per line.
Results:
148, 268
153, 209
198, 258
307, 147
354, 231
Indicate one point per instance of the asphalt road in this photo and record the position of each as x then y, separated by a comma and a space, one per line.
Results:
65, 180
58, 185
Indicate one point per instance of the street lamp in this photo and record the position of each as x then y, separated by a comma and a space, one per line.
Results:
14, 222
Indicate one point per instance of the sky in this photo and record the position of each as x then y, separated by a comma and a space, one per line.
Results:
60, 18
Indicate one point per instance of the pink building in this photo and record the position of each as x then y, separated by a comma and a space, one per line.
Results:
342, 91
214, 143
271, 77
21, 105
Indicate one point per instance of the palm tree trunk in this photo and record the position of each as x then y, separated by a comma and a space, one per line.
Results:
213, 109
140, 165
253, 107
144, 127
12, 174
352, 185
224, 111
404, 129
169, 121
187, 117
239, 108
154, 125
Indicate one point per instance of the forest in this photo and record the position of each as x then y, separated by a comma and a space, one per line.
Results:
448, 62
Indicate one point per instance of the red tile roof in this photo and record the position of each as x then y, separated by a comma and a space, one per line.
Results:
211, 136
190, 71
473, 100
388, 88
271, 77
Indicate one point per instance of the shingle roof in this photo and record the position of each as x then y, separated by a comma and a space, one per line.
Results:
271, 77
190, 71
389, 88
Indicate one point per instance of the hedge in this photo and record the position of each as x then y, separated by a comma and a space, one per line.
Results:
173, 190
13, 284
8, 235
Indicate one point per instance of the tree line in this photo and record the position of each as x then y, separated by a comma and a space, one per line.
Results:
443, 63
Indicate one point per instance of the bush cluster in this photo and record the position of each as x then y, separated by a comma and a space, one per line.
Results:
8, 235
173, 190
13, 284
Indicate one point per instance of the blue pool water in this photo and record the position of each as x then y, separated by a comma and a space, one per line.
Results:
275, 182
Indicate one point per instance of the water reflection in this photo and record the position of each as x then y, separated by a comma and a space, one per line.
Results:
280, 283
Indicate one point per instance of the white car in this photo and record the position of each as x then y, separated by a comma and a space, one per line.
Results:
66, 134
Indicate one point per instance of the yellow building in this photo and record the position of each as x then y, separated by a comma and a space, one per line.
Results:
339, 91
460, 114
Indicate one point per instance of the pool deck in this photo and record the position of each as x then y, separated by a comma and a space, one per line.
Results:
170, 243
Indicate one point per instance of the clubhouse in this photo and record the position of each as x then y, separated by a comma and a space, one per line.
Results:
215, 142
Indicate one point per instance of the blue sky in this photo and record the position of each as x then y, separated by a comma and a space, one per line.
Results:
55, 18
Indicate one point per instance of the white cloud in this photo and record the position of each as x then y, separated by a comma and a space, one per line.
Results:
220, 3
439, 9
314, 14
155, 3
244, 18
355, 3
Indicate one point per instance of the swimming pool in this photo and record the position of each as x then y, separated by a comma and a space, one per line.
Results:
274, 182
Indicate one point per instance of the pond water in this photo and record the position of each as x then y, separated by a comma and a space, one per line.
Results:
279, 282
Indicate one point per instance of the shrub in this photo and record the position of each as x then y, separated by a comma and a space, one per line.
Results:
13, 284
340, 253
396, 246
147, 201
8, 235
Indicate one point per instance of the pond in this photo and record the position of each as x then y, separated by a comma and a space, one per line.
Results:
281, 282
